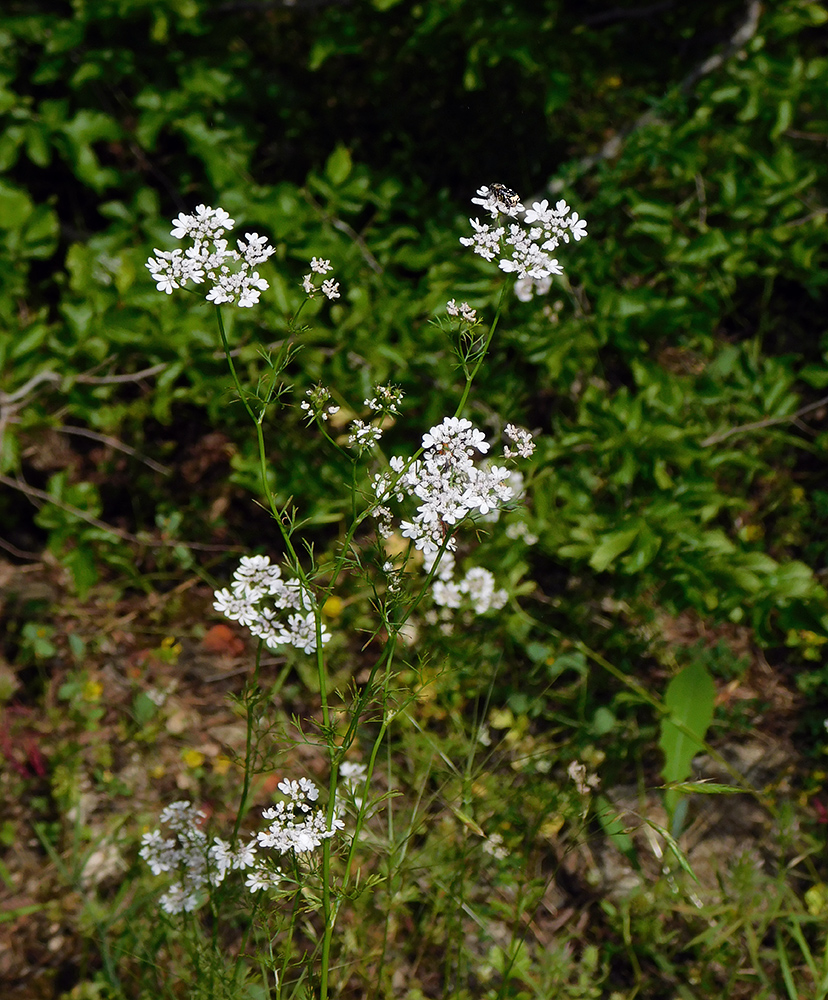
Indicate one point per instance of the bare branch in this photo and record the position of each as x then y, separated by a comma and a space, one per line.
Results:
35, 494
114, 443
349, 231
768, 422
9, 398
129, 377
19, 553
743, 34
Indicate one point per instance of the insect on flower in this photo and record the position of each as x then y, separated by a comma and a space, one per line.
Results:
504, 196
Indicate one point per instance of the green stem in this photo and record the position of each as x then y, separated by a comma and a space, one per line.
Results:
248, 749
470, 378
320, 659
232, 366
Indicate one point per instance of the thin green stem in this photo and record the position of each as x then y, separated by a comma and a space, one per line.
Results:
485, 350
232, 366
248, 747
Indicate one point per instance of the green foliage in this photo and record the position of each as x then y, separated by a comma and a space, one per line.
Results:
689, 698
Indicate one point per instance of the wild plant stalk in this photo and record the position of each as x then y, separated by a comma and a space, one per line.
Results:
441, 476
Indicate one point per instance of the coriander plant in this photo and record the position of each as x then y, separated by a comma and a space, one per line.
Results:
408, 546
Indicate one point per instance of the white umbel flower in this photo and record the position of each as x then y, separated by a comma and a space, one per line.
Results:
525, 250
255, 599
230, 273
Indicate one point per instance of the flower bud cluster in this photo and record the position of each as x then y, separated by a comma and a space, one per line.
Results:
261, 600
318, 404
294, 826
384, 403
210, 258
386, 399
524, 251
464, 311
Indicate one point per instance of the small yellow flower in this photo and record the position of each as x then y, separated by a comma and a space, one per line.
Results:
92, 691
816, 899
751, 532
221, 765
192, 758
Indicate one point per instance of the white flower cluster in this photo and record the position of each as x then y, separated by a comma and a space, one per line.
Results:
363, 436
446, 481
294, 826
449, 487
317, 403
464, 311
527, 250
354, 777
498, 200
353, 773
385, 402
393, 574
493, 845
522, 439
584, 782
477, 586
329, 287
229, 271
256, 596
519, 530
526, 288
187, 853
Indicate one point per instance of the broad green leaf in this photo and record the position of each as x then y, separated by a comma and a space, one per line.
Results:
338, 166
645, 549
15, 206
702, 249
690, 697
611, 546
